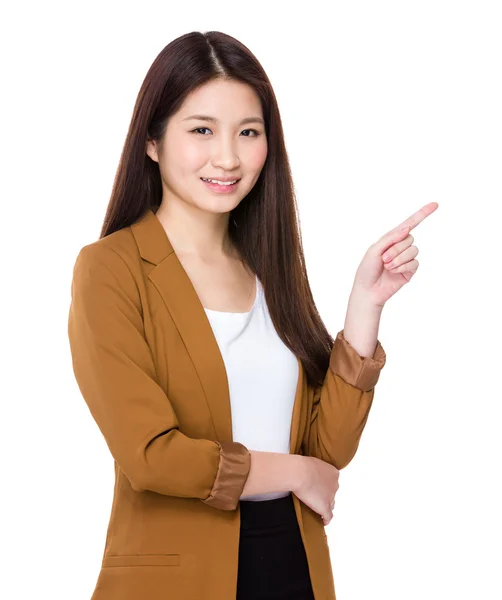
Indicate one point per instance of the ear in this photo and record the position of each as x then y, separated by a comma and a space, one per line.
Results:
151, 150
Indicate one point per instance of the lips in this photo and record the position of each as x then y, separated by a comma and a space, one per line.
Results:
223, 188
216, 179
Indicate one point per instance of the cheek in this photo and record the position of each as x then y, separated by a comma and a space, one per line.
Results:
184, 154
257, 155
191, 157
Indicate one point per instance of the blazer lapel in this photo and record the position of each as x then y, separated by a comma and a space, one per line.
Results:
187, 311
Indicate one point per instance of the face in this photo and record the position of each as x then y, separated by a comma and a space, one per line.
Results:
232, 146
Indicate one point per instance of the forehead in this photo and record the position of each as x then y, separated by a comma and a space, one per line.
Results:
222, 99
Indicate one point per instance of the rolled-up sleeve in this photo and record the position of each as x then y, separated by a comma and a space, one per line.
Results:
341, 405
115, 372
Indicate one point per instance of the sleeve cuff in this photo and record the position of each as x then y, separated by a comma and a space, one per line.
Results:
360, 371
233, 471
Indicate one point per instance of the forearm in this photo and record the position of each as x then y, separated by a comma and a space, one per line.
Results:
361, 325
273, 472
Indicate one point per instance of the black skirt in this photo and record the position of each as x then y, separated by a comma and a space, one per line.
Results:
272, 560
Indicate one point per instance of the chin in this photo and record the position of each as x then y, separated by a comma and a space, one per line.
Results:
219, 205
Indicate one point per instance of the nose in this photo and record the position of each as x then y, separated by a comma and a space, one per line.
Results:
225, 156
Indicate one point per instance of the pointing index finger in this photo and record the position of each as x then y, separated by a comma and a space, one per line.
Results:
419, 216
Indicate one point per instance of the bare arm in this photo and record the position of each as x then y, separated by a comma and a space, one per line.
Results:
273, 472
312, 480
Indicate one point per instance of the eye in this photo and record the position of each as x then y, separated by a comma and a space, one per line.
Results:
197, 129
256, 133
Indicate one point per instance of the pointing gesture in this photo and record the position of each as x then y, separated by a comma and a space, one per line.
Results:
390, 262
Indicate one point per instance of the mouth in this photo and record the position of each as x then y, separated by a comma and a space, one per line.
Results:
220, 186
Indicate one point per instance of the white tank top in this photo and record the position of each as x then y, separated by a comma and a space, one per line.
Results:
262, 377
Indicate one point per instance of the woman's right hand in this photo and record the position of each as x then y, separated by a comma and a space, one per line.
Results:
317, 486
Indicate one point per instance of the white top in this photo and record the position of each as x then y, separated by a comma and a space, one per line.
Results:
262, 376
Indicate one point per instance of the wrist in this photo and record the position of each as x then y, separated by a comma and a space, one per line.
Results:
301, 472
362, 322
361, 301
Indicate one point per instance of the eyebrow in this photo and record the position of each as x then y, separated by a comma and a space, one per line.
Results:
215, 120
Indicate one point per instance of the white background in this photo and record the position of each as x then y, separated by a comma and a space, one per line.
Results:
386, 106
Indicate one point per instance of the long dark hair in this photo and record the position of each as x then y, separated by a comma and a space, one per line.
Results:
267, 234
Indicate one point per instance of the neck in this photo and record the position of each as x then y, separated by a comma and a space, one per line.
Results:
195, 232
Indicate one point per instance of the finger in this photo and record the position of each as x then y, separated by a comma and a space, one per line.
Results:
419, 216
401, 231
389, 239
402, 258
398, 233
409, 267
396, 249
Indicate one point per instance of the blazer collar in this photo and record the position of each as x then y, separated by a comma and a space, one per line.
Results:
151, 237
189, 316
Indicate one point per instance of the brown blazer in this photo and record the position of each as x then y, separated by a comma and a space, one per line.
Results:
150, 370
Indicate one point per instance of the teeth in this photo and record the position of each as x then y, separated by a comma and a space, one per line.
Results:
219, 182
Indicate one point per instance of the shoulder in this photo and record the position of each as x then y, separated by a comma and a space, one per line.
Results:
115, 256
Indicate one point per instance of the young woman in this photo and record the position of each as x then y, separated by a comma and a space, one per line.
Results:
227, 406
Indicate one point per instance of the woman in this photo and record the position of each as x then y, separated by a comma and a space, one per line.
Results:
227, 406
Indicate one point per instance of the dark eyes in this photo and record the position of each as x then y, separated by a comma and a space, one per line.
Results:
197, 129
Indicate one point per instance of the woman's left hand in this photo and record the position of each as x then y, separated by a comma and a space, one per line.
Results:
390, 262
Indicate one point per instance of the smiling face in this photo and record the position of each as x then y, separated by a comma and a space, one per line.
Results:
233, 146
